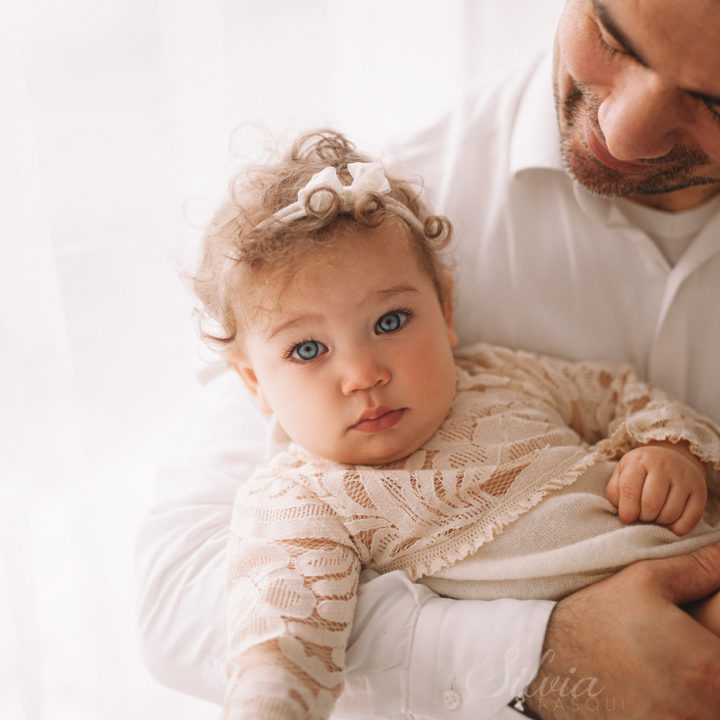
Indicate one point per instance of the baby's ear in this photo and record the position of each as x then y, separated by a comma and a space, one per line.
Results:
243, 367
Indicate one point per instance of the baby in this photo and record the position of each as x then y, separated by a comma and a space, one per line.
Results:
484, 472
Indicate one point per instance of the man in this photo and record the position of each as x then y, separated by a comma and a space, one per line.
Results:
599, 241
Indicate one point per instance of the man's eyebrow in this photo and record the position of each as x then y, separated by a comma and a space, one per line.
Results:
712, 99
603, 15
611, 27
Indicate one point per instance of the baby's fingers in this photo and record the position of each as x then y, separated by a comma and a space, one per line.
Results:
691, 514
612, 489
674, 505
626, 487
655, 495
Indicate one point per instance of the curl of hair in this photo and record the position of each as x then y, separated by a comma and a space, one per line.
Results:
244, 247
439, 230
369, 210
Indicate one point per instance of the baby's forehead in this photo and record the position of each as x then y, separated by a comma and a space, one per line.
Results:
334, 253
348, 277
272, 293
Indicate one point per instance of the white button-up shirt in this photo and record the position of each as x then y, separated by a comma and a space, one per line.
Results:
545, 266
541, 265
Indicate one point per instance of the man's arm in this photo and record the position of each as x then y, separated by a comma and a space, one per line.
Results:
623, 647
413, 652
218, 441
410, 651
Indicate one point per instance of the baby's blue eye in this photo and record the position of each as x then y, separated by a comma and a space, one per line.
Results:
390, 322
308, 350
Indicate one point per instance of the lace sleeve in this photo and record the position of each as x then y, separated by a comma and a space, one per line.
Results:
292, 579
608, 405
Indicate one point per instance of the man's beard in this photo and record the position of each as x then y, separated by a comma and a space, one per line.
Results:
674, 171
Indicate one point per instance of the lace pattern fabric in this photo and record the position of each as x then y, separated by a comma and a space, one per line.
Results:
521, 427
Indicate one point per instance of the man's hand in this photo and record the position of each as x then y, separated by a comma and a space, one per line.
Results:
623, 648
662, 483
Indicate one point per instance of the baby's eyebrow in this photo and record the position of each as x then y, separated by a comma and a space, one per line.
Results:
397, 290
291, 322
308, 318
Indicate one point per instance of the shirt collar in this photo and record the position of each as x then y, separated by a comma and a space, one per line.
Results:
535, 138
535, 143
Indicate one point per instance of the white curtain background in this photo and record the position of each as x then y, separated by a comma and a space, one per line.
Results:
119, 122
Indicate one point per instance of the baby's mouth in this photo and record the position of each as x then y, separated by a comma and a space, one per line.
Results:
378, 419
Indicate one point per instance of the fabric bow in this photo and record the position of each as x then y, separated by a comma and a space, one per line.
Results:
367, 177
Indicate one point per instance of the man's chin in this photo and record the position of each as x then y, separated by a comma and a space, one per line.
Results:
689, 170
600, 180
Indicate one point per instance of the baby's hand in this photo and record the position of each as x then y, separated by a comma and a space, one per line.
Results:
662, 483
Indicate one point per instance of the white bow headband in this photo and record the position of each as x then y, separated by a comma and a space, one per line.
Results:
317, 195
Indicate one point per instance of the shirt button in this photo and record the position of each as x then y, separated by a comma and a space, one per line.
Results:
451, 699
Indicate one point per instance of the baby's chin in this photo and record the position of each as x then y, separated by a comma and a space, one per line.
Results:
372, 461
384, 447
376, 455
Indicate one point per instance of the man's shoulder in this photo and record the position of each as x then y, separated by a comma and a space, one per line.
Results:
474, 135
481, 109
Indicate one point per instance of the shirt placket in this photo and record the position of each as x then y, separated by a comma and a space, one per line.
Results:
670, 359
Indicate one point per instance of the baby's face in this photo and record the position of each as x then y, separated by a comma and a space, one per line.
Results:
355, 358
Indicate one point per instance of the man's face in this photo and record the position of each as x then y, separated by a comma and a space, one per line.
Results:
637, 87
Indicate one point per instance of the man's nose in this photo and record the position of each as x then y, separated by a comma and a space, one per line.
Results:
643, 117
363, 371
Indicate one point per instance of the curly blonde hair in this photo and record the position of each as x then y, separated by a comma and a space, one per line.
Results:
244, 250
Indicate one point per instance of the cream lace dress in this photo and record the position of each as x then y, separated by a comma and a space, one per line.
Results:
522, 429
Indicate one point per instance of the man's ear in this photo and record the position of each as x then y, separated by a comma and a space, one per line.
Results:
446, 279
244, 369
